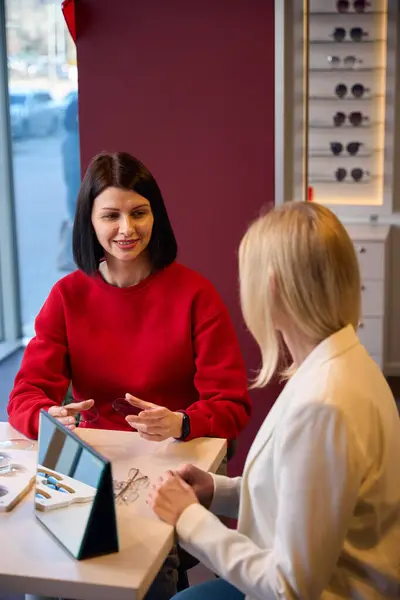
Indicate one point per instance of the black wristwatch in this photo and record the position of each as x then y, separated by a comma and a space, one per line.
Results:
185, 427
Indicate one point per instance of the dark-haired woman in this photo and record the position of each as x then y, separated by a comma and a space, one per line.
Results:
132, 320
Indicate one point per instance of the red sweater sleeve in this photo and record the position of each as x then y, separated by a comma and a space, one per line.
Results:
44, 376
223, 408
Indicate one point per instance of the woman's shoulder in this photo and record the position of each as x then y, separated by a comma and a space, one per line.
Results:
74, 282
350, 387
195, 287
191, 280
189, 276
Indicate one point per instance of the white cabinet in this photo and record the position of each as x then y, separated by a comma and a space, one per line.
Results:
372, 247
373, 297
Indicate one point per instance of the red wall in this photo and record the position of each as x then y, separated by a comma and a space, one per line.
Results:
188, 88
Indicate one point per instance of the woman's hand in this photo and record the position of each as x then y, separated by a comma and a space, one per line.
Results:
67, 414
200, 481
154, 423
170, 497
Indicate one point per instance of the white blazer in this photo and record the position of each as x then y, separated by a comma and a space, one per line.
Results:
319, 500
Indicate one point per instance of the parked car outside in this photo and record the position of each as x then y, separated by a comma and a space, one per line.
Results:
33, 113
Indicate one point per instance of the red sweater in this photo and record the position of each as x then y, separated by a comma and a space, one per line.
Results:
168, 340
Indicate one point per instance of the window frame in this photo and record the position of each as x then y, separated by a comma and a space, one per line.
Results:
10, 314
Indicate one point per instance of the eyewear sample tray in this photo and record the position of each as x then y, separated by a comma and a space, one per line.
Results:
55, 490
17, 476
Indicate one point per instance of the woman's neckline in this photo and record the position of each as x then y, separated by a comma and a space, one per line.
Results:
129, 290
104, 272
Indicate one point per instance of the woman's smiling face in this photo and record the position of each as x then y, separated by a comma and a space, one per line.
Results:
123, 223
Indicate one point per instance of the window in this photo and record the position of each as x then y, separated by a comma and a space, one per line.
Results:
9, 308
40, 66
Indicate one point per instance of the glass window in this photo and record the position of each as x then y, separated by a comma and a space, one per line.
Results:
42, 77
1, 311
9, 307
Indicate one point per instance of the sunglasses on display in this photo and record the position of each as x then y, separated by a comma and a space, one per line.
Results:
348, 62
355, 118
358, 90
352, 148
357, 174
356, 34
359, 6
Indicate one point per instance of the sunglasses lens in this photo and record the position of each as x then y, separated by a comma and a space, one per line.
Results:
355, 118
339, 119
350, 61
360, 5
339, 34
89, 416
357, 174
357, 90
353, 148
336, 148
356, 34
340, 174
341, 90
124, 408
334, 61
343, 5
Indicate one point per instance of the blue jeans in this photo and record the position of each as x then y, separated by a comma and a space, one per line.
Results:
211, 590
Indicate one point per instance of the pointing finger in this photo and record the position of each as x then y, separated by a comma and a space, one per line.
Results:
139, 403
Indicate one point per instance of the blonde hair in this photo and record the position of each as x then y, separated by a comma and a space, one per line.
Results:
301, 256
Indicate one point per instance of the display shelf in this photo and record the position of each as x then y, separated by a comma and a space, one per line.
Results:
343, 155
370, 180
345, 126
318, 64
354, 14
346, 42
345, 70
310, 65
348, 98
367, 72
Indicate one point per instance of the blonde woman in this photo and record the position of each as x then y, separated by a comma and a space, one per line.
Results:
319, 500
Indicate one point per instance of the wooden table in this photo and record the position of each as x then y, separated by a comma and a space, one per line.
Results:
31, 561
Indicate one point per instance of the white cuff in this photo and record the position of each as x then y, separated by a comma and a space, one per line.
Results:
226, 496
190, 520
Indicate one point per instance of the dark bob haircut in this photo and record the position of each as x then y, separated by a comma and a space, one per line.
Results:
120, 170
